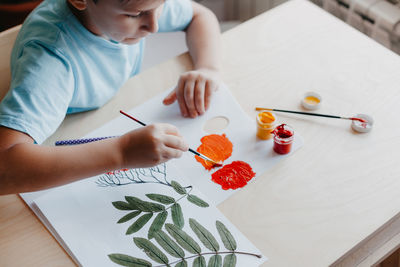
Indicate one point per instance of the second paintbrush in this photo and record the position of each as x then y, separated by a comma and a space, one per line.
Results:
311, 114
191, 150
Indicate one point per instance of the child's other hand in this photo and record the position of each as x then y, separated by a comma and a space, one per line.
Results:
151, 145
194, 91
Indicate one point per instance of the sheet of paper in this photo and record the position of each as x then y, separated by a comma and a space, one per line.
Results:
85, 219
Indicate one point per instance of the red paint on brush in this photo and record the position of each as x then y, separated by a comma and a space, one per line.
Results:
216, 147
234, 175
358, 119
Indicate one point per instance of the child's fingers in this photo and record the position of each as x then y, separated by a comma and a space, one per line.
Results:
199, 91
175, 142
169, 129
170, 98
210, 88
181, 99
193, 93
188, 97
170, 153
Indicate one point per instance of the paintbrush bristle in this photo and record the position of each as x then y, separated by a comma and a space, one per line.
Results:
217, 164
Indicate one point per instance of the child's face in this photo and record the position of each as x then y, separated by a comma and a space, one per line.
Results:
123, 21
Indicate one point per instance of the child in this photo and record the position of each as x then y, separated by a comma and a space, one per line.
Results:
71, 56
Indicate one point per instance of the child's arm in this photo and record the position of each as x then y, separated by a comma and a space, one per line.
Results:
195, 88
25, 166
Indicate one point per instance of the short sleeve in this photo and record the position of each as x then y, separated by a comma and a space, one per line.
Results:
176, 15
41, 88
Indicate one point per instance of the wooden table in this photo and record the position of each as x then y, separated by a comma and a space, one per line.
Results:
336, 200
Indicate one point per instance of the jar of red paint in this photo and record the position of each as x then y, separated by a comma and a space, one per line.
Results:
283, 139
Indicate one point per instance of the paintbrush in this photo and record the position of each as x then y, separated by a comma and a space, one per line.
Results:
217, 164
311, 114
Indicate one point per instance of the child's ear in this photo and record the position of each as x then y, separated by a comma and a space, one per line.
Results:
78, 4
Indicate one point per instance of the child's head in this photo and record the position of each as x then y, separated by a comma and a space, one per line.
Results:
125, 21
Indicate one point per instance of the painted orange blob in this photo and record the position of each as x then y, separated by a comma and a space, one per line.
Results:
216, 147
234, 175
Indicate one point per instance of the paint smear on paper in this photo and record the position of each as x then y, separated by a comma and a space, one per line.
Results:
234, 175
216, 147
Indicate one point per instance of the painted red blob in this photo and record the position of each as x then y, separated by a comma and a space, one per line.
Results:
216, 147
234, 175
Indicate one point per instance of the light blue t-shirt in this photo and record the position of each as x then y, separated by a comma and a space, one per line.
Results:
59, 67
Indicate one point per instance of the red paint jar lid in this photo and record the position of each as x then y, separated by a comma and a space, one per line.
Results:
362, 127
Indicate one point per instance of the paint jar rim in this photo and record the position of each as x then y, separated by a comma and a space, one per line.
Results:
282, 141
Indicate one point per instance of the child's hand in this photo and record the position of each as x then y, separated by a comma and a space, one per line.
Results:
194, 91
151, 145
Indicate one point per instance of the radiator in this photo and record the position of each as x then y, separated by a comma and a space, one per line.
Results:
379, 19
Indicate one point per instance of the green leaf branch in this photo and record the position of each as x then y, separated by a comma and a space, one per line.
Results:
178, 241
160, 206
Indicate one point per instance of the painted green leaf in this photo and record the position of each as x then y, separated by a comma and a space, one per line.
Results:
126, 260
139, 223
177, 215
215, 261
129, 216
169, 245
154, 207
151, 250
144, 205
178, 188
183, 239
230, 260
226, 236
121, 205
204, 235
181, 264
199, 262
136, 202
157, 224
197, 201
161, 198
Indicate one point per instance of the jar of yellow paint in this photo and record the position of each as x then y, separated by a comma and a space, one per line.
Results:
311, 101
266, 122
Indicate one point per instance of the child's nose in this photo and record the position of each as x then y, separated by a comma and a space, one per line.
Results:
151, 23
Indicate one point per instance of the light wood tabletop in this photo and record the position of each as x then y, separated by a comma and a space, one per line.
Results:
313, 208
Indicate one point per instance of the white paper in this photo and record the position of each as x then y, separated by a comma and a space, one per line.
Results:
82, 214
